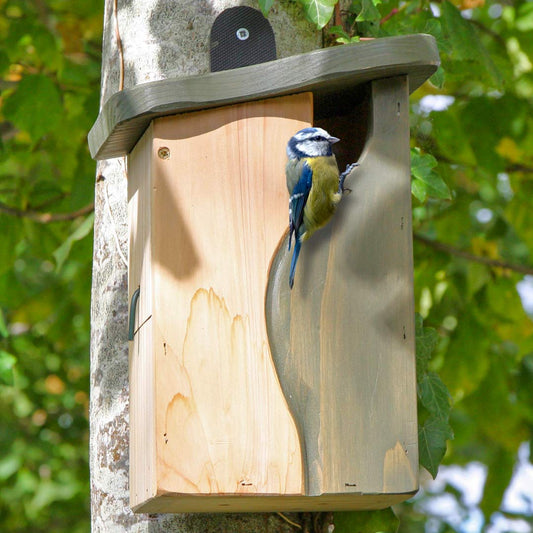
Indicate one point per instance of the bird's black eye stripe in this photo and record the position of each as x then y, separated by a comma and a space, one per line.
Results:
318, 138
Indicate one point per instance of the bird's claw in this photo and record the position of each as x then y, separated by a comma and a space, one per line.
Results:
342, 177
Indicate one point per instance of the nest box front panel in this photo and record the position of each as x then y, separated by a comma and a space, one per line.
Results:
218, 210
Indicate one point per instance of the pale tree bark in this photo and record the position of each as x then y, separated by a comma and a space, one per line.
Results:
160, 39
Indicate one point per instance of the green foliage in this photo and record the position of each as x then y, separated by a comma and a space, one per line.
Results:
432, 437
384, 521
265, 6
342, 36
434, 402
469, 52
426, 182
49, 68
7, 362
36, 96
62, 253
318, 11
367, 11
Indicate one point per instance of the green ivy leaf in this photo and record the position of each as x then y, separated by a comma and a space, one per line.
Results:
432, 437
265, 6
35, 106
369, 12
465, 42
339, 30
7, 362
421, 164
434, 27
342, 36
434, 396
426, 340
349, 40
432, 184
318, 12
419, 191
383, 521
462, 36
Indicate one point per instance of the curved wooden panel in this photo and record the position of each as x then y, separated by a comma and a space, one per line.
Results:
343, 339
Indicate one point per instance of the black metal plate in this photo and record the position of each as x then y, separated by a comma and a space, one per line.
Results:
241, 36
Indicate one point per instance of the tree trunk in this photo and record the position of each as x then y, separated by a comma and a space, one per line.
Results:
160, 39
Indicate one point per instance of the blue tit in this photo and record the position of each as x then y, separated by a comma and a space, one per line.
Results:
314, 184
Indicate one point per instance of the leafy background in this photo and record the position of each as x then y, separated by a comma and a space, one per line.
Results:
50, 71
472, 161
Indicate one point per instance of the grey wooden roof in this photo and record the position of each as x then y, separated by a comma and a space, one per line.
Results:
338, 70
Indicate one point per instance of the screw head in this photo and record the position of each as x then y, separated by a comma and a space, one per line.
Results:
242, 34
164, 152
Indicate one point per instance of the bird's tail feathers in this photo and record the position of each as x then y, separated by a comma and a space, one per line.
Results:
295, 254
291, 231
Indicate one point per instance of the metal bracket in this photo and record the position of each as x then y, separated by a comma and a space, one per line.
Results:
133, 308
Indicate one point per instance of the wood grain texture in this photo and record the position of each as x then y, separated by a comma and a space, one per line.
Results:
343, 338
215, 419
187, 503
143, 483
338, 70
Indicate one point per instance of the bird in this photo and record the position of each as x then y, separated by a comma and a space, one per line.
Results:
314, 183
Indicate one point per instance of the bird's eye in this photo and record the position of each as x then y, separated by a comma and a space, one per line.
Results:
318, 138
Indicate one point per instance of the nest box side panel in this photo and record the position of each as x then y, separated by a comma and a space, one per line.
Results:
343, 338
141, 363
219, 210
140, 220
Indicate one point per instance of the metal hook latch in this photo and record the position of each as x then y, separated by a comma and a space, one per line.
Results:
133, 308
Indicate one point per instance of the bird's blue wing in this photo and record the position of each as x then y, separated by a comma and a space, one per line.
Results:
298, 199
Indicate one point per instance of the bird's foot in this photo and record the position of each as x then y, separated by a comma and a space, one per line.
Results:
343, 176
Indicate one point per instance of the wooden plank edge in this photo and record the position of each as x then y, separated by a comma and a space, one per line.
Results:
126, 115
225, 503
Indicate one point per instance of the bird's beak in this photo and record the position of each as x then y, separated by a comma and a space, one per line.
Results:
333, 140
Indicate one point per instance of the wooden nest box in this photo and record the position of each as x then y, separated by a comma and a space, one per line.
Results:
245, 395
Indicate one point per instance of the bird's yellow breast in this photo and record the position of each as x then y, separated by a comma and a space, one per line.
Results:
324, 195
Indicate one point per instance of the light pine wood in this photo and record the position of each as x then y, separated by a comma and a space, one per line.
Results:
140, 220
343, 338
338, 70
181, 503
141, 362
206, 401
